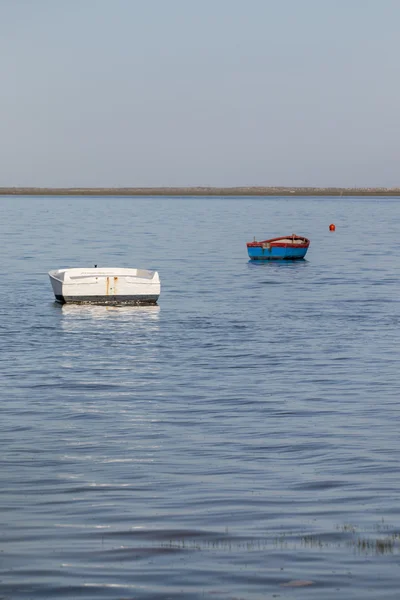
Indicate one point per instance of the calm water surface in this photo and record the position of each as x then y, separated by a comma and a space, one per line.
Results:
238, 441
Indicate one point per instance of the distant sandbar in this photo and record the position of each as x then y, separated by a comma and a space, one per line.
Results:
200, 191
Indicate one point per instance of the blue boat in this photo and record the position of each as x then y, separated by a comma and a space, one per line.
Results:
290, 247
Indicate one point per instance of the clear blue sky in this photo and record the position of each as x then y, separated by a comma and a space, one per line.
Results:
199, 92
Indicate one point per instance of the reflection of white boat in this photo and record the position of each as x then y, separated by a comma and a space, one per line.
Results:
105, 286
119, 313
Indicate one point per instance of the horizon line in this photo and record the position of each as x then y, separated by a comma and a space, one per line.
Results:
198, 190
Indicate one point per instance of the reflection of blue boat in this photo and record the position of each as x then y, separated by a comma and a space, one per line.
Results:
289, 247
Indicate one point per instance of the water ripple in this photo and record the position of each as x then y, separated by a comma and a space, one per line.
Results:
240, 440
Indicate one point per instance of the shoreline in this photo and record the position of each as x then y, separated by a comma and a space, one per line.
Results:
199, 191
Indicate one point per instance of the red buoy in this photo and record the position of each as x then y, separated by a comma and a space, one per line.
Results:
332, 227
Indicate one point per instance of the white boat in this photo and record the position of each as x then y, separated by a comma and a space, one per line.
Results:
105, 286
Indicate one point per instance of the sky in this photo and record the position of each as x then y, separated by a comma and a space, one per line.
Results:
109, 93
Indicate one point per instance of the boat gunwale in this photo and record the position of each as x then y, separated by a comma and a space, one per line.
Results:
276, 243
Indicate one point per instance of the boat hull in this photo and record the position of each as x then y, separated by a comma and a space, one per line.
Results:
106, 286
117, 300
287, 248
259, 253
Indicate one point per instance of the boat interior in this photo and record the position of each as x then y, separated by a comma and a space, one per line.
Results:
291, 240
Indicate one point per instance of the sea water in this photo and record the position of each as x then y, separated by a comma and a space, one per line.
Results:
239, 440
